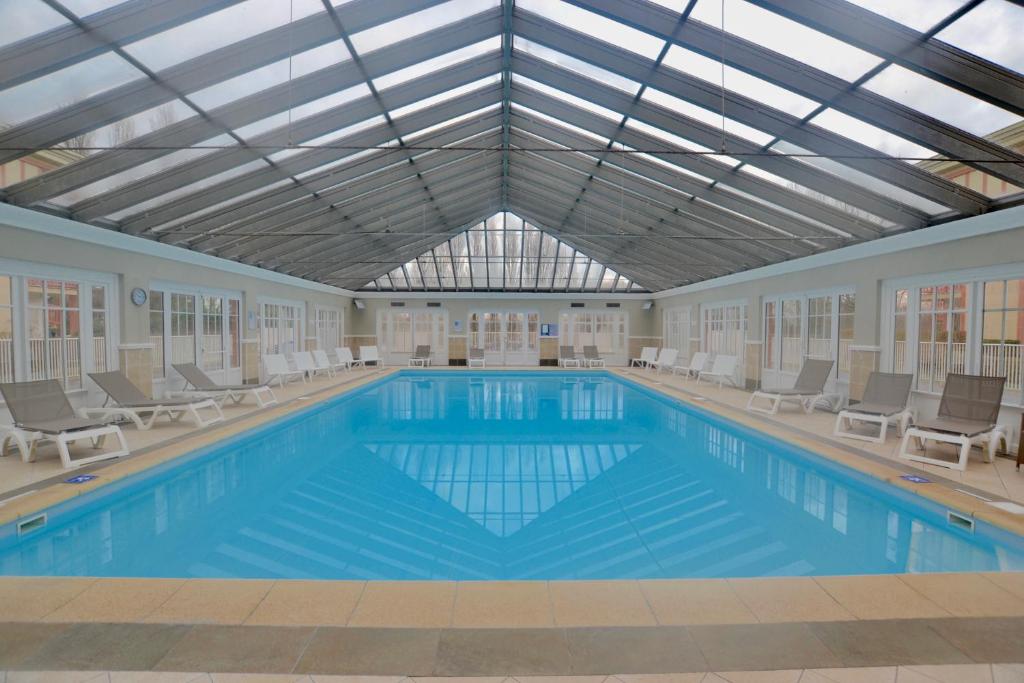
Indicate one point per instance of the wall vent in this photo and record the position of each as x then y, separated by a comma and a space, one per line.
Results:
615, 305
397, 304
576, 305
433, 304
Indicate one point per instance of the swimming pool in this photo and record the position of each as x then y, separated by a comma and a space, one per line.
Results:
501, 475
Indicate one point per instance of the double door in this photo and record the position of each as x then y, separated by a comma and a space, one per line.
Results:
507, 337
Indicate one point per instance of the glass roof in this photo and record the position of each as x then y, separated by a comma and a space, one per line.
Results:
507, 253
236, 128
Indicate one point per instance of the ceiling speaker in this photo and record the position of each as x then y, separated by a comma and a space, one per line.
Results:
648, 305
360, 304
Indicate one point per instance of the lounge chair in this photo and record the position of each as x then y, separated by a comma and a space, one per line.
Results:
421, 357
591, 357
307, 365
322, 362
666, 360
200, 383
967, 416
345, 358
648, 355
369, 354
42, 412
884, 402
723, 369
808, 388
276, 367
567, 357
696, 366
130, 403
476, 358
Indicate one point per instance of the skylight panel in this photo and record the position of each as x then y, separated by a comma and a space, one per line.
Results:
281, 119
787, 37
919, 15
940, 101
991, 30
577, 66
84, 8
65, 88
434, 100
867, 134
26, 18
707, 116
739, 82
418, 23
430, 66
532, 113
568, 98
595, 25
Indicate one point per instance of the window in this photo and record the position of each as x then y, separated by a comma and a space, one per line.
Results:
183, 328
235, 333
100, 350
6, 329
156, 331
329, 334
808, 325
962, 323
724, 329
213, 332
770, 347
281, 327
55, 341
399, 332
791, 336
676, 324
608, 331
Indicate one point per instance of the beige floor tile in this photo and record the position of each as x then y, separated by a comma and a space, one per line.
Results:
870, 674
32, 598
966, 595
477, 679
599, 603
55, 677
158, 677
212, 601
645, 678
787, 676
1008, 581
307, 603
405, 604
320, 678
953, 673
1008, 673
695, 602
508, 604
879, 597
789, 599
260, 678
117, 600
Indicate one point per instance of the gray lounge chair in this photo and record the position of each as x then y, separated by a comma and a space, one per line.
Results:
476, 358
567, 357
132, 404
421, 357
808, 388
201, 383
967, 416
42, 412
591, 357
884, 402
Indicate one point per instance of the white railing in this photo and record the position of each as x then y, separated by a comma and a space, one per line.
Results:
996, 360
6, 360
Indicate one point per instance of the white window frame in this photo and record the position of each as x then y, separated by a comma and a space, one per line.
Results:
771, 375
168, 288
300, 308
320, 330
21, 271
677, 330
618, 354
505, 355
438, 337
975, 279
741, 353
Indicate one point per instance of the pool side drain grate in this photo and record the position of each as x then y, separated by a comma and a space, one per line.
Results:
32, 524
960, 521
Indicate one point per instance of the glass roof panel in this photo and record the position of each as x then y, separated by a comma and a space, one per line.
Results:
532, 113
303, 111
577, 66
570, 99
25, 18
739, 82
595, 25
429, 66
218, 29
867, 134
502, 252
991, 30
941, 101
787, 37
65, 88
427, 102
919, 15
707, 116
417, 23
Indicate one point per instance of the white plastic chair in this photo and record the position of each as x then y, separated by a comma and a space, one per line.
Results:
722, 369
277, 369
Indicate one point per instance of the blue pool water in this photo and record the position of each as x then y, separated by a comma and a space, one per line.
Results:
496, 475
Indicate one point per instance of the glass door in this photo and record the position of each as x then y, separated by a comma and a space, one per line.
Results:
507, 337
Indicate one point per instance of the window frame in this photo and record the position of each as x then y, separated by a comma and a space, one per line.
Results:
835, 294
168, 290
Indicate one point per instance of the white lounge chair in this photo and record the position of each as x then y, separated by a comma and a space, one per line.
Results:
807, 390
369, 354
666, 360
421, 357
345, 358
696, 366
567, 357
42, 412
322, 360
723, 369
197, 382
476, 358
884, 403
967, 416
277, 369
306, 363
648, 355
131, 404
591, 357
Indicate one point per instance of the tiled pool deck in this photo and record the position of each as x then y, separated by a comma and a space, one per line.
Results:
557, 628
